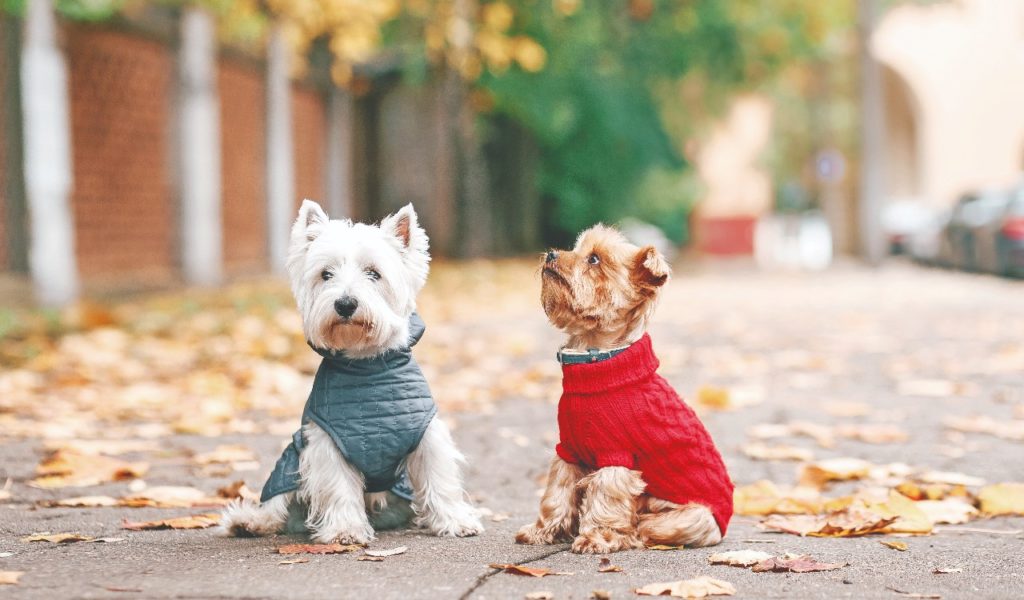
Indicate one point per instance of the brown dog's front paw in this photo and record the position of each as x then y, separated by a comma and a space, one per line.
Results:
604, 541
538, 536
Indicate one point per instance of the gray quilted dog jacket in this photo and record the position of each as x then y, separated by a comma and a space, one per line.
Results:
376, 411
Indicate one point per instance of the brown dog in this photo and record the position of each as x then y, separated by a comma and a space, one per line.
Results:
634, 466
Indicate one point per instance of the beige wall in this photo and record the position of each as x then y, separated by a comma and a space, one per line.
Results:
955, 102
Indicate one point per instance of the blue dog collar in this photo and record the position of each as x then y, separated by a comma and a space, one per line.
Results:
588, 356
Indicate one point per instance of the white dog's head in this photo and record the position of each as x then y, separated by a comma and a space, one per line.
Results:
356, 284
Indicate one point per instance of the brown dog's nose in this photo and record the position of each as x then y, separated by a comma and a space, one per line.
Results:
551, 256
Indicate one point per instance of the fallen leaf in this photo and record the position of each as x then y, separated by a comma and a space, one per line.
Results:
294, 561
498, 518
714, 398
190, 522
113, 588
226, 455
699, 587
873, 433
237, 489
57, 538
739, 558
318, 548
761, 451
819, 474
10, 577
6, 554
82, 502
915, 595
950, 478
853, 521
105, 540
901, 546
5, 495
1008, 429
108, 447
365, 558
664, 547
931, 388
524, 570
1002, 499
601, 595
947, 570
173, 497
847, 409
950, 511
385, 553
606, 566
909, 518
540, 596
822, 434
67, 468
765, 498
794, 563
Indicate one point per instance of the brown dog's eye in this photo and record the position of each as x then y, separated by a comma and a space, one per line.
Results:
325, 274
594, 259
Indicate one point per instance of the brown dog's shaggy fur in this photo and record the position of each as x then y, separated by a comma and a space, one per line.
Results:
602, 294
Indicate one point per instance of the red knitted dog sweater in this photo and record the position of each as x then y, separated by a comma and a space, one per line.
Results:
620, 413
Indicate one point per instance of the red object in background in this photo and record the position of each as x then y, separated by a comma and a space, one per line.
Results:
1013, 228
725, 236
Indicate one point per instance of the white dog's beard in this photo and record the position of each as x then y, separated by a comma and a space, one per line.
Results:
367, 333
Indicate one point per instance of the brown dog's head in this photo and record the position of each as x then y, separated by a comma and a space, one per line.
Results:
603, 290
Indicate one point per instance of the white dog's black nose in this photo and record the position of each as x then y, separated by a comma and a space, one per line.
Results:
346, 306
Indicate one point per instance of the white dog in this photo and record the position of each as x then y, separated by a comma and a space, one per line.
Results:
370, 419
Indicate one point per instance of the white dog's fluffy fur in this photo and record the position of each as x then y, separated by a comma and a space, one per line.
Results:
383, 268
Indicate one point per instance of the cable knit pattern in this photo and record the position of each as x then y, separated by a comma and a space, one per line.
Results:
621, 413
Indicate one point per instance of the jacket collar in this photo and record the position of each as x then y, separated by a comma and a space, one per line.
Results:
627, 366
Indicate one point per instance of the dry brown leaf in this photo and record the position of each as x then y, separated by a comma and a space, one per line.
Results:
5, 495
947, 570
1002, 499
605, 566
663, 547
601, 595
901, 546
67, 468
226, 454
318, 548
909, 517
738, 558
170, 496
365, 558
58, 538
10, 577
82, 502
237, 489
524, 570
294, 561
794, 563
540, 596
761, 451
190, 522
765, 498
949, 511
850, 522
819, 474
699, 587
386, 553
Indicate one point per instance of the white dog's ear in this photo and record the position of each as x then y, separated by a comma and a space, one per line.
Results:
404, 225
310, 221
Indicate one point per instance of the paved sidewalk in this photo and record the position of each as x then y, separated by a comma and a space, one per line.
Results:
914, 345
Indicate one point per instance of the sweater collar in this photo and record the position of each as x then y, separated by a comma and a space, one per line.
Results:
634, 364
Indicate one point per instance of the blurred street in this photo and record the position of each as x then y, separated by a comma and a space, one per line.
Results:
897, 365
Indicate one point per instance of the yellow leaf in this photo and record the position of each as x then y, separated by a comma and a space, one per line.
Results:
1002, 499
699, 587
901, 546
10, 577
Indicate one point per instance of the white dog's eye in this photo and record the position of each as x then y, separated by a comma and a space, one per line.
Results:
594, 259
325, 274
372, 274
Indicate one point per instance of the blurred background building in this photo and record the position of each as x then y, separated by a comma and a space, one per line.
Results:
157, 143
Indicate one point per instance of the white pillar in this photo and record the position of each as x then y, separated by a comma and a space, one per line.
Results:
872, 140
280, 151
44, 102
339, 154
199, 151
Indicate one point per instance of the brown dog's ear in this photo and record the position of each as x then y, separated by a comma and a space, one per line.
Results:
650, 269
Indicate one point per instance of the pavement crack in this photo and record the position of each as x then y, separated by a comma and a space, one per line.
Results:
482, 579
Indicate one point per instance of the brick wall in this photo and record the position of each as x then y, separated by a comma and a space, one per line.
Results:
243, 148
310, 126
120, 93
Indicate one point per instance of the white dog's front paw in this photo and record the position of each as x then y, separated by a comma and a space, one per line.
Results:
462, 521
361, 535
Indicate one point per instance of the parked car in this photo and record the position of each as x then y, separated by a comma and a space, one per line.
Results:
970, 217
924, 244
1010, 237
